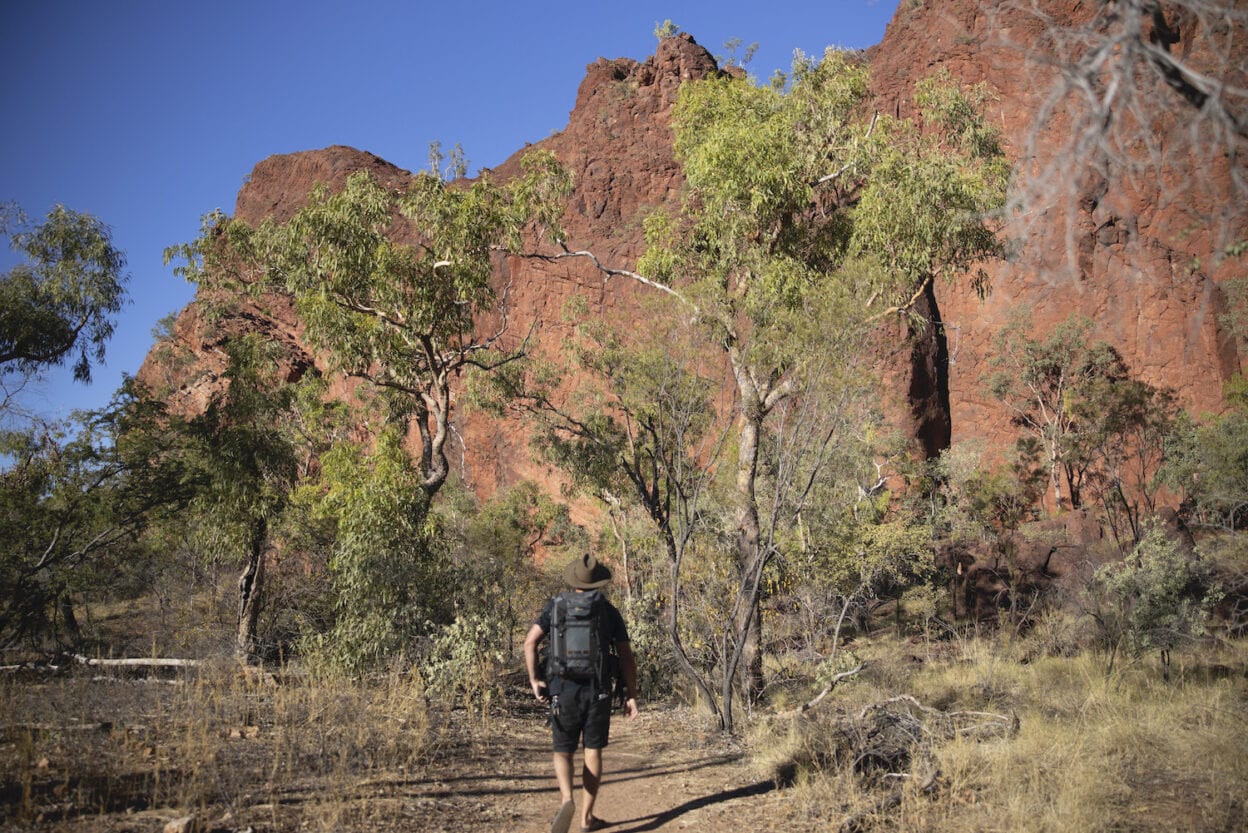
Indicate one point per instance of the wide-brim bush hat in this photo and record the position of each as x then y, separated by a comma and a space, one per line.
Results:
585, 573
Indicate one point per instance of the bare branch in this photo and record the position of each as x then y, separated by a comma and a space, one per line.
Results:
826, 178
610, 272
844, 675
907, 306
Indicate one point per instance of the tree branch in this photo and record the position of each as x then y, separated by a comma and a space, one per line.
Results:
610, 272
914, 299
844, 675
826, 178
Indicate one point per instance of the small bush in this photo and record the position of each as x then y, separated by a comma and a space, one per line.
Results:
1155, 599
465, 662
647, 633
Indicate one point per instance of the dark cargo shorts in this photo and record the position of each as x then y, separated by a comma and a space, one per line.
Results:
577, 710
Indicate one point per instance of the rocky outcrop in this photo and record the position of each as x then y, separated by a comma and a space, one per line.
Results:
1117, 251
1129, 239
618, 146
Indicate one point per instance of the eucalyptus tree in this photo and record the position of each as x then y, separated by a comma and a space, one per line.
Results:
59, 303
806, 218
246, 461
75, 499
404, 316
393, 288
1208, 465
1037, 377
1127, 430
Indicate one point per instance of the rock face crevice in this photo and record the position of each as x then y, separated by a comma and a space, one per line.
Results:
1122, 248
928, 394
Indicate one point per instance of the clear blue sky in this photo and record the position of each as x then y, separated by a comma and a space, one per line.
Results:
150, 113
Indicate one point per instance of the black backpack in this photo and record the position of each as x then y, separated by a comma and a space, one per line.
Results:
577, 637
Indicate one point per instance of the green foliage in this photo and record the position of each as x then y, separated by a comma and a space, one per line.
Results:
1101, 433
1235, 319
389, 578
1041, 379
242, 447
666, 29
464, 663
1155, 599
74, 500
247, 457
805, 219
447, 166
730, 58
162, 330
876, 556
784, 254
642, 412
494, 548
911, 198
933, 184
972, 503
61, 301
639, 429
980, 510
647, 634
404, 317
1208, 464
1125, 429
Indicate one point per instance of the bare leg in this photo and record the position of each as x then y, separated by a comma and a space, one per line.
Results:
591, 777
563, 773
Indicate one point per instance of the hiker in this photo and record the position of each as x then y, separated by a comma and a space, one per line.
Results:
580, 700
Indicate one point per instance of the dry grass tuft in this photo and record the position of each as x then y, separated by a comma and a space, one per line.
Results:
213, 742
1091, 752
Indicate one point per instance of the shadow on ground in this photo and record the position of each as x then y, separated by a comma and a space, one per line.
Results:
657, 820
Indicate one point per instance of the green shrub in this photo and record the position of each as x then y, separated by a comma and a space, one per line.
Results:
465, 662
1155, 599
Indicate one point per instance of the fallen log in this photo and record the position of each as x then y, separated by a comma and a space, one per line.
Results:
138, 662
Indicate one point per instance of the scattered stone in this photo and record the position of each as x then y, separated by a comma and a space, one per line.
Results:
186, 824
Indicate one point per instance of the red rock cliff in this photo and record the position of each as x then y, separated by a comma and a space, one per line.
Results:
1116, 250
1122, 219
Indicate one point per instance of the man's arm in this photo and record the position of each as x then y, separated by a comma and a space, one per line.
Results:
628, 664
531, 640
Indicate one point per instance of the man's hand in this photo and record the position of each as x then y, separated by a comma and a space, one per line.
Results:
630, 708
538, 685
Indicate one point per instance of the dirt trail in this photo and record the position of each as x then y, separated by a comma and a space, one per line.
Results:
135, 770
661, 774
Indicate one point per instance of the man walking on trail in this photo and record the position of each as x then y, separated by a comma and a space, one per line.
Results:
583, 627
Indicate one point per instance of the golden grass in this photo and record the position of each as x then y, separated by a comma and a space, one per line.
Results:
1092, 751
299, 750
1125, 752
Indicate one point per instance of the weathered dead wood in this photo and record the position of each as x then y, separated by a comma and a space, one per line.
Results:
136, 681
818, 698
854, 821
889, 733
99, 726
138, 662
14, 669
953, 723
